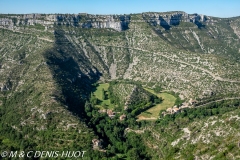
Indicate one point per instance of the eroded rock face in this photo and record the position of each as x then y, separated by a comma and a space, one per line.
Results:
174, 18
4, 87
117, 22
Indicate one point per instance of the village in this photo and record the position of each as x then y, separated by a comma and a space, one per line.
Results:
176, 109
112, 114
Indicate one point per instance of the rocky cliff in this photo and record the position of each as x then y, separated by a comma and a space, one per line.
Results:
117, 22
174, 18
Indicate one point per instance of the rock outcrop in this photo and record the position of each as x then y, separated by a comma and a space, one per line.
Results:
117, 22
174, 18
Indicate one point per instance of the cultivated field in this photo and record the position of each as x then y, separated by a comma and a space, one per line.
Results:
153, 113
98, 93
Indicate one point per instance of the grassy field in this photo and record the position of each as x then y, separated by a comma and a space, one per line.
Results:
98, 94
153, 113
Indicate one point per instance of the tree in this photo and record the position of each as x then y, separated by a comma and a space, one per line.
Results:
132, 154
88, 107
157, 89
104, 106
93, 100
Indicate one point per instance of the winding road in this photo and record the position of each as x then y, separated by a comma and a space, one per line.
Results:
179, 61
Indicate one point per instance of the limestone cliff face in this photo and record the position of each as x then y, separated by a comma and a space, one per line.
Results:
117, 22
6, 22
174, 18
